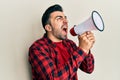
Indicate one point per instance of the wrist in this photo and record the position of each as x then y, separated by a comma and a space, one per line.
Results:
85, 50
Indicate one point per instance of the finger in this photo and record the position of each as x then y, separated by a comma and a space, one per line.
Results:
91, 39
82, 35
89, 32
90, 35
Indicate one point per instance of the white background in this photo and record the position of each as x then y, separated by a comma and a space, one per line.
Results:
20, 25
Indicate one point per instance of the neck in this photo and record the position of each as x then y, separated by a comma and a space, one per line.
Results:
53, 38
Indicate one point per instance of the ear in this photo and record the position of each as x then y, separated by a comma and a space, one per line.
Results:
48, 27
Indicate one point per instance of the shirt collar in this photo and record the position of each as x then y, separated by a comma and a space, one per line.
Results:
51, 42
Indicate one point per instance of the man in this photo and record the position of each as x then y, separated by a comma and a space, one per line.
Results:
54, 57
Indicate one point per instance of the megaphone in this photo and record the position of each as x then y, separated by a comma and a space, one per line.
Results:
95, 22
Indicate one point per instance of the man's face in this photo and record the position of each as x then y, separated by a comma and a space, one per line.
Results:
59, 25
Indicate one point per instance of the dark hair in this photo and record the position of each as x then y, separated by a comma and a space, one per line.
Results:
46, 15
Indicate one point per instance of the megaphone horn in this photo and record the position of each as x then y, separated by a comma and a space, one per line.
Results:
95, 22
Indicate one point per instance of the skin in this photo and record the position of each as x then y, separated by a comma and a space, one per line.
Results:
58, 27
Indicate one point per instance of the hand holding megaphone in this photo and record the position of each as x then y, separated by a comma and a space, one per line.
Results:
95, 22
86, 41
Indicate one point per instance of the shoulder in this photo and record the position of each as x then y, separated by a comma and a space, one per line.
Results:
38, 43
39, 47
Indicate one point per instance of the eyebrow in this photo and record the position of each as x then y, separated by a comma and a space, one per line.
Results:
60, 16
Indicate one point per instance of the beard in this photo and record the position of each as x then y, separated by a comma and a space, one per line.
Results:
62, 37
59, 34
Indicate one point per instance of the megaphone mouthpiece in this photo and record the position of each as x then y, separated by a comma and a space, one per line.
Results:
72, 31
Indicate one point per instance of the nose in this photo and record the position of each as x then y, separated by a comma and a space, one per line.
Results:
65, 21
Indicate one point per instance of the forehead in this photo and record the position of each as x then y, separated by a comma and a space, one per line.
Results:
56, 13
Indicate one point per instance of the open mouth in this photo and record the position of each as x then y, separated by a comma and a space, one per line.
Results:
65, 30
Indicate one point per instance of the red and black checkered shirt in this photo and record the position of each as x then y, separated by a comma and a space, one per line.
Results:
45, 62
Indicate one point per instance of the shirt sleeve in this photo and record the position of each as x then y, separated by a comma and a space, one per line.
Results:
88, 64
46, 68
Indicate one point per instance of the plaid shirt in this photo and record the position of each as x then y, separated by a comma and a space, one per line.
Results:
45, 63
